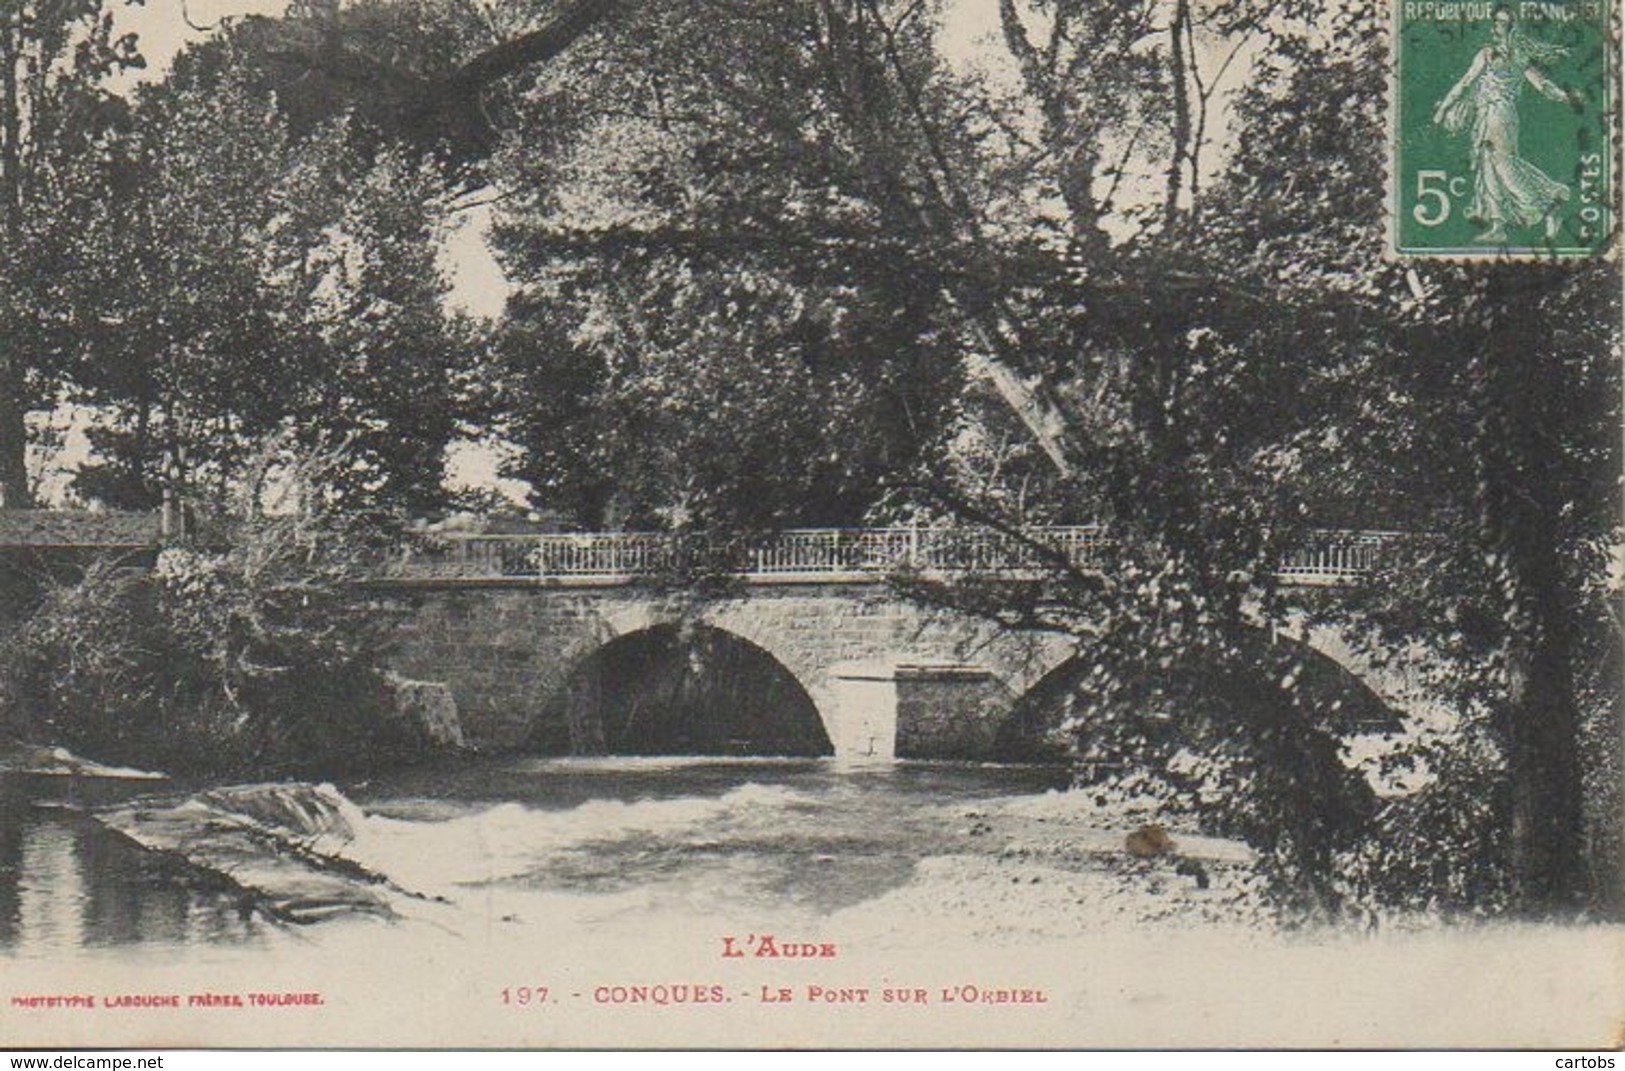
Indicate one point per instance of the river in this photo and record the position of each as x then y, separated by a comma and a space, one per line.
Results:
741, 836
625, 902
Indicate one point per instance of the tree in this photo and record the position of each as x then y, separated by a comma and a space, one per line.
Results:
61, 173
765, 406
251, 659
55, 118
263, 280
1494, 387
1196, 381
752, 231
1194, 365
420, 75
1482, 397
389, 367
204, 363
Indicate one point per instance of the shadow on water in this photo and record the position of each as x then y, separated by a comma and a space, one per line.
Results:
67, 883
558, 783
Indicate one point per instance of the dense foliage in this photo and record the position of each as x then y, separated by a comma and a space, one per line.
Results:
256, 659
57, 174
264, 282
787, 263
1212, 364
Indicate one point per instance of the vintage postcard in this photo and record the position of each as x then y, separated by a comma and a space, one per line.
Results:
1084, 524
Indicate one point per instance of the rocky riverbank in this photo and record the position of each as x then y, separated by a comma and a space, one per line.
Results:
1057, 866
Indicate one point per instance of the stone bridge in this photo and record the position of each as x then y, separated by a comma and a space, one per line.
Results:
542, 641
885, 677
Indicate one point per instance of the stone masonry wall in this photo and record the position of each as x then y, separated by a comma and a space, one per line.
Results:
949, 713
505, 651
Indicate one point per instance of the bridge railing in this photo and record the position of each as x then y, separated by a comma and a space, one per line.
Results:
830, 554
837, 551
585, 555
1334, 557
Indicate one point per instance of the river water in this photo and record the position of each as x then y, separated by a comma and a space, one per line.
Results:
569, 903
496, 838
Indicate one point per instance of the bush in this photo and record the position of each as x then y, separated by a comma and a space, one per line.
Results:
1440, 851
262, 657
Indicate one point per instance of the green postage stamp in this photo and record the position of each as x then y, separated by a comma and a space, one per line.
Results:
1503, 115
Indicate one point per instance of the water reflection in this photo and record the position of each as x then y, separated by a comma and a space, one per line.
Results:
50, 894
67, 884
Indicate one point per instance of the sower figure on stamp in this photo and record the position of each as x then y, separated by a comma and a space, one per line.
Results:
1507, 189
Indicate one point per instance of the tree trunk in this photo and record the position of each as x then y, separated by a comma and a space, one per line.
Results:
14, 490
1180, 79
1521, 521
13, 431
1031, 404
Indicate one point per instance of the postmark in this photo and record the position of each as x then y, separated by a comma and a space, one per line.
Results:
1503, 113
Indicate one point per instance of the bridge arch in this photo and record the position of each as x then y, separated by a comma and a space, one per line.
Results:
1035, 728
1352, 702
886, 677
679, 688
